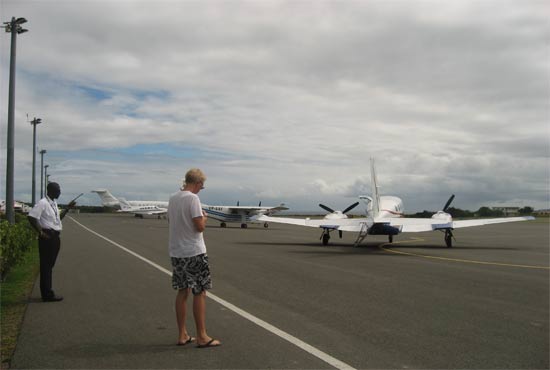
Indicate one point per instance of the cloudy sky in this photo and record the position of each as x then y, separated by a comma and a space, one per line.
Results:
285, 101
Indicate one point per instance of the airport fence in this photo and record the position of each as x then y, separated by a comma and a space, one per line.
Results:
15, 240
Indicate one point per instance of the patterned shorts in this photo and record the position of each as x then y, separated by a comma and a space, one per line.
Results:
191, 273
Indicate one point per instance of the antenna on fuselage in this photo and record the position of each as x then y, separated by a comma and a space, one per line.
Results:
375, 193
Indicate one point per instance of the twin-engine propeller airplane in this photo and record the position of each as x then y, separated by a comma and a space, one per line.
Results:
384, 216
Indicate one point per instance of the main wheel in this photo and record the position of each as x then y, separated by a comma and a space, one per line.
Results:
326, 238
448, 239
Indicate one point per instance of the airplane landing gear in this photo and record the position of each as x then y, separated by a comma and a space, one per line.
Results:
390, 238
244, 226
449, 238
325, 236
266, 225
223, 224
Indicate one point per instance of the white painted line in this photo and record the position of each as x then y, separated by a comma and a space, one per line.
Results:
272, 329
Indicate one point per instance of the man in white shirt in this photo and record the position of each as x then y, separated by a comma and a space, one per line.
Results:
191, 271
46, 220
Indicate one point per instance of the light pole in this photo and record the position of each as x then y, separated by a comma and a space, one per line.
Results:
13, 27
42, 152
46, 178
34, 122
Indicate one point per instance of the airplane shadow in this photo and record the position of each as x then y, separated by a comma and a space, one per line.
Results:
444, 247
331, 249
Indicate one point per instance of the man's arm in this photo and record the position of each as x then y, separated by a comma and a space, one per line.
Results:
200, 222
36, 225
69, 206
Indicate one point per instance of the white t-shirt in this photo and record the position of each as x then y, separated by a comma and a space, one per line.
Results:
47, 214
184, 240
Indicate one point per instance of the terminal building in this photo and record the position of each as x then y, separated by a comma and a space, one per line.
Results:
507, 211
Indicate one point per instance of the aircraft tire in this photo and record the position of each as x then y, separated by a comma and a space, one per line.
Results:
448, 240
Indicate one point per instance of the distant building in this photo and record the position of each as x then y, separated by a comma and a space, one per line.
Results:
542, 212
507, 211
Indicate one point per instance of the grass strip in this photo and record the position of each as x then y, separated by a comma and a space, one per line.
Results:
15, 291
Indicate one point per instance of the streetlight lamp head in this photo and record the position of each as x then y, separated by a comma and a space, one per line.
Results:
22, 30
20, 20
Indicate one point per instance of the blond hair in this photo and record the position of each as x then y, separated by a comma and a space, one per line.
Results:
194, 176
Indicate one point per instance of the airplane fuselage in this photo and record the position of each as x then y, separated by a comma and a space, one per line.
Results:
242, 215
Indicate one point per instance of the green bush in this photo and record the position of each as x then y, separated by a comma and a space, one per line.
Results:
15, 240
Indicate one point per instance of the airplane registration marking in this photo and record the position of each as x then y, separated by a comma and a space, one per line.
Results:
383, 247
263, 324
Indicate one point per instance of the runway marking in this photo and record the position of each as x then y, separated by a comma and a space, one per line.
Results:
272, 329
382, 246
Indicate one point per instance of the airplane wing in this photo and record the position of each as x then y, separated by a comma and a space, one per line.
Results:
489, 221
404, 225
156, 212
414, 225
346, 224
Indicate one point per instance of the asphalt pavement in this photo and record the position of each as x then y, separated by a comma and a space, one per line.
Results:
282, 300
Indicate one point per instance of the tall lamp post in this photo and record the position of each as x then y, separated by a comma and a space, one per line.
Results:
42, 152
34, 122
13, 27
46, 179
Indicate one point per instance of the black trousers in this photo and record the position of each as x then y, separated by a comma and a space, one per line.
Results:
48, 250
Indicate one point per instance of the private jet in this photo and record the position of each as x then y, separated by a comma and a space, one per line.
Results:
384, 216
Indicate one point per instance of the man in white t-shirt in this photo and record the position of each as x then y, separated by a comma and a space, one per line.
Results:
45, 218
191, 271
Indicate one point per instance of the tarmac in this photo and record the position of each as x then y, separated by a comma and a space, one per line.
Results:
282, 300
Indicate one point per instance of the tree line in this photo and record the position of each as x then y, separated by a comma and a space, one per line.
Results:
482, 212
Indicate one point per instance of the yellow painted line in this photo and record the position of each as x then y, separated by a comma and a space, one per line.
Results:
382, 246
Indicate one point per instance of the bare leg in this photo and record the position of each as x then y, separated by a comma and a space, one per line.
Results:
181, 310
199, 312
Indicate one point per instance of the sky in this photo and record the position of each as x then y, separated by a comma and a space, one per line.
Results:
284, 101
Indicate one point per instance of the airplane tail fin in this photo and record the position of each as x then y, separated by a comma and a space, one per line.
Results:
375, 190
107, 199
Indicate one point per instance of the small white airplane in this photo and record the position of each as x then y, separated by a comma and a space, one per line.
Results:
17, 206
138, 207
142, 209
384, 216
224, 214
242, 214
108, 200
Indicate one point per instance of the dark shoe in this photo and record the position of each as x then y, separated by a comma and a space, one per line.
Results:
54, 298
213, 343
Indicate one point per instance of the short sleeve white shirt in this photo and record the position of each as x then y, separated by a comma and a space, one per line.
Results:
47, 214
184, 240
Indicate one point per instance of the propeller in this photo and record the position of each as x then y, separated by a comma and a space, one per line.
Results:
350, 207
448, 203
344, 211
326, 208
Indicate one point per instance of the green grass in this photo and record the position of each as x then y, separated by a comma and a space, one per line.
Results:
15, 291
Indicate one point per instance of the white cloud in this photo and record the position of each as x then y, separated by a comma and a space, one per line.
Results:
286, 100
